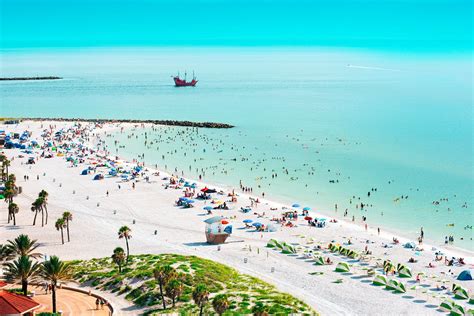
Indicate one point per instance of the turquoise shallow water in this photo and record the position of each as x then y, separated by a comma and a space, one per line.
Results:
401, 124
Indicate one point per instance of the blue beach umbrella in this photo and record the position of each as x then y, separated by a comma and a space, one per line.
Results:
306, 208
295, 205
207, 208
190, 201
247, 221
257, 224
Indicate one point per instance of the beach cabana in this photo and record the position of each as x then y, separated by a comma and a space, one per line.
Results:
404, 271
319, 261
272, 243
380, 280
342, 267
465, 275
216, 231
460, 293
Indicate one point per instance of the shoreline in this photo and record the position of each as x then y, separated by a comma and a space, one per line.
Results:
150, 207
386, 232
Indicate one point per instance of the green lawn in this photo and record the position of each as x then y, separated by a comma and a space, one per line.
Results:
137, 284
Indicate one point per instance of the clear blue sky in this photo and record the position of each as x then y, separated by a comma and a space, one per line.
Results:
399, 24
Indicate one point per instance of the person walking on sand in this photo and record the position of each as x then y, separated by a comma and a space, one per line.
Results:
97, 302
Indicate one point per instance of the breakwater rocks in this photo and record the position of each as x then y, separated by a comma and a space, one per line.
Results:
157, 122
29, 78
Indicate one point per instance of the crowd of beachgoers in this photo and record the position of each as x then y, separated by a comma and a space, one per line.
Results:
335, 265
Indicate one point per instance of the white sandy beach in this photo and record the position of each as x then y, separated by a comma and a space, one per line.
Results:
149, 207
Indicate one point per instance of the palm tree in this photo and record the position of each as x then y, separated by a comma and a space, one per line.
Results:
12, 210
60, 225
44, 195
53, 271
220, 303
260, 309
5, 253
22, 269
40, 202
35, 207
67, 216
200, 296
126, 233
119, 258
173, 290
23, 246
5, 165
163, 274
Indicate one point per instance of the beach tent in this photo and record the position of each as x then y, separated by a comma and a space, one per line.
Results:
342, 267
98, 177
460, 293
380, 280
84, 172
391, 285
457, 310
410, 245
319, 261
446, 306
400, 288
466, 275
404, 271
272, 243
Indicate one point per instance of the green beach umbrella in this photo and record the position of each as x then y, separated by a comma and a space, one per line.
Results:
392, 285
272, 243
380, 280
457, 310
342, 267
461, 293
446, 306
404, 272
400, 288
319, 261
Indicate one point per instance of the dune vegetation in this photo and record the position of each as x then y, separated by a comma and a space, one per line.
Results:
185, 283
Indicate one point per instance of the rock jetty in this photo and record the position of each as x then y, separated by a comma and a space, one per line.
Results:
30, 78
157, 122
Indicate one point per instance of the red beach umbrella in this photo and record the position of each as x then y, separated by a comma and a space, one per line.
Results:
225, 222
204, 190
308, 218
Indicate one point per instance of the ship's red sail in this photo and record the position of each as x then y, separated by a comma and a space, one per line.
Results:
178, 82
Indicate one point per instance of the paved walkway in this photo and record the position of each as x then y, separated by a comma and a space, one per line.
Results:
68, 301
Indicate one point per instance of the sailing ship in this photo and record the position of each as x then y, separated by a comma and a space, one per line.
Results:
178, 82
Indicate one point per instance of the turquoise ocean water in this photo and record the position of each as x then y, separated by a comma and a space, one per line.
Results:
400, 123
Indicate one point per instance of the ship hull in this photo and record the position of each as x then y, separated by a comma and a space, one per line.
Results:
183, 83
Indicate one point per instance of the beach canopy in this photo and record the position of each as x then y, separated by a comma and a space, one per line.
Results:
214, 219
342, 267
380, 280
391, 285
466, 275
459, 292
319, 261
404, 271
272, 243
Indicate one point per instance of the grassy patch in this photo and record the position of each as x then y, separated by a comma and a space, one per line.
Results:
137, 284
